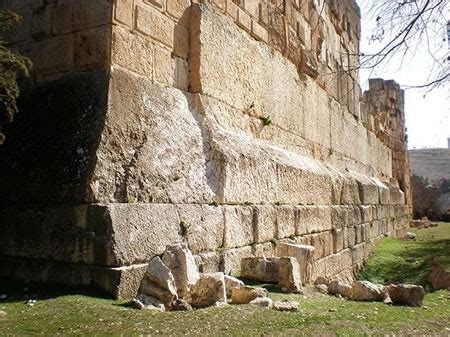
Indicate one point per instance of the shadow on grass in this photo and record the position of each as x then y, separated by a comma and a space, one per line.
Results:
20, 291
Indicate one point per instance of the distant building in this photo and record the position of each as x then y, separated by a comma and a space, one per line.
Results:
433, 164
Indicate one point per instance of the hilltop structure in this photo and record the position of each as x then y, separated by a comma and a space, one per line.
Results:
230, 125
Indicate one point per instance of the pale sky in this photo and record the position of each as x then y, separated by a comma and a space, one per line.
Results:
427, 114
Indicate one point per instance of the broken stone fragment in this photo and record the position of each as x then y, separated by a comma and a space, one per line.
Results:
179, 259
260, 269
304, 255
264, 302
367, 291
340, 288
232, 282
245, 295
290, 306
439, 278
321, 288
289, 275
209, 290
144, 302
406, 294
180, 305
158, 282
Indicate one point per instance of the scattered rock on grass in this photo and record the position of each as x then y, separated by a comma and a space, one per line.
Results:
340, 288
179, 259
144, 302
289, 275
321, 288
367, 291
232, 282
245, 295
439, 278
406, 294
290, 306
264, 302
411, 236
209, 290
158, 282
2, 313
180, 305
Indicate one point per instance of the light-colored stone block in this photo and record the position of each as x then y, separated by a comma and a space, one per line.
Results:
151, 22
238, 226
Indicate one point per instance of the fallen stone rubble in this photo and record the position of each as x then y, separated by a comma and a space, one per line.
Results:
172, 282
401, 294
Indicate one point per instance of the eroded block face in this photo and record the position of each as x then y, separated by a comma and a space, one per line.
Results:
159, 122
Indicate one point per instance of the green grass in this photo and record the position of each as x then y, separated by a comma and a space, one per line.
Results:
65, 312
408, 261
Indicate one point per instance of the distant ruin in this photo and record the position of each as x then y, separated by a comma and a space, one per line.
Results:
231, 125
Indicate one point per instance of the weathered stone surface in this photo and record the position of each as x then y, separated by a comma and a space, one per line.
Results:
232, 282
181, 263
265, 218
150, 140
321, 288
439, 278
245, 295
303, 254
209, 290
207, 262
367, 291
264, 302
340, 288
289, 306
260, 269
289, 275
205, 226
158, 282
230, 259
148, 303
238, 226
406, 294
180, 305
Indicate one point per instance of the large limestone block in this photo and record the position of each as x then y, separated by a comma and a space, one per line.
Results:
249, 70
181, 263
260, 269
231, 283
368, 190
258, 172
289, 275
153, 147
230, 259
245, 295
158, 282
367, 291
204, 226
313, 219
286, 221
265, 218
238, 226
209, 290
141, 231
304, 256
406, 294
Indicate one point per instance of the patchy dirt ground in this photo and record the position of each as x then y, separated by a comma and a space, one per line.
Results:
57, 312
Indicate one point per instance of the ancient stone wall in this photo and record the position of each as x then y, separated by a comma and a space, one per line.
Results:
231, 125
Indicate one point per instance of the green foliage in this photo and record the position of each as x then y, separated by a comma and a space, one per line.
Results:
266, 120
184, 228
11, 65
